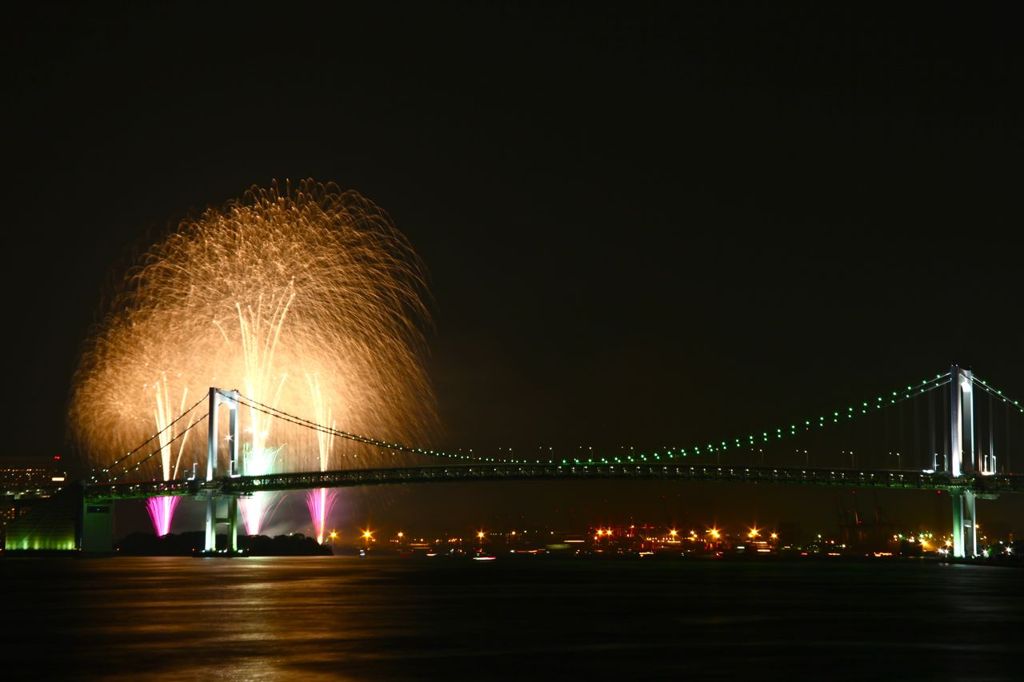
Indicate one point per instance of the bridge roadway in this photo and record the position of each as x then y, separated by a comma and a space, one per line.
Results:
244, 485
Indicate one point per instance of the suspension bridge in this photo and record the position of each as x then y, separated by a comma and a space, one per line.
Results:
934, 440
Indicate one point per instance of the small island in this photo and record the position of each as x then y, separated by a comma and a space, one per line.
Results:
188, 544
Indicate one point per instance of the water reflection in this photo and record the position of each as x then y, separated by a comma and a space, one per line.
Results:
303, 618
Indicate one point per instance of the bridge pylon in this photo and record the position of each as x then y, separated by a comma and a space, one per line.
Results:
216, 513
963, 460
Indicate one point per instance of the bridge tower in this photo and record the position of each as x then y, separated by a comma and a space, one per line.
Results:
219, 397
962, 461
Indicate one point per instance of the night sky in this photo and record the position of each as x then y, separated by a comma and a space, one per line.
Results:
643, 223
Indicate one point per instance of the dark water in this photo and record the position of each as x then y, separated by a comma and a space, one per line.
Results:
387, 618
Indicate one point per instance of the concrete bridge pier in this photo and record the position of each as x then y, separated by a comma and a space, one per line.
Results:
210, 545
965, 536
221, 509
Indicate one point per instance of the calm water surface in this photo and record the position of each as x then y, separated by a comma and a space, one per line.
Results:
311, 618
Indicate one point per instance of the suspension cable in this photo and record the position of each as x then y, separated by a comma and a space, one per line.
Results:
149, 440
367, 440
894, 398
996, 393
155, 452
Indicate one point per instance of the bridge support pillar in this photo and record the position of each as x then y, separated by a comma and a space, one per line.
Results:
220, 397
965, 536
233, 524
211, 525
963, 461
221, 509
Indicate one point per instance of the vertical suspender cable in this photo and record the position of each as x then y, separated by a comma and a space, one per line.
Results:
932, 452
899, 436
917, 435
1006, 446
991, 444
947, 396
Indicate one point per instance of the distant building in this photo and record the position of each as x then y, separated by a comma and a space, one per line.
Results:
23, 482
52, 524
31, 477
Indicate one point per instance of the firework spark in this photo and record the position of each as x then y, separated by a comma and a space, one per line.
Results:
161, 512
284, 284
320, 502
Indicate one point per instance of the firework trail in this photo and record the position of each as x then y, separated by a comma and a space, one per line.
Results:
321, 501
305, 298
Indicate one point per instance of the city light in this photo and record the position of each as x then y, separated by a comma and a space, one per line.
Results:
753, 533
479, 535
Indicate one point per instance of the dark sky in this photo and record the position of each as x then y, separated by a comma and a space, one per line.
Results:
644, 223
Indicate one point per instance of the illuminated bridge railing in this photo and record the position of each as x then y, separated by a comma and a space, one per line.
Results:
243, 485
128, 491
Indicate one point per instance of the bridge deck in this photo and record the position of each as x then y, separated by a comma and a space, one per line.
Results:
243, 485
